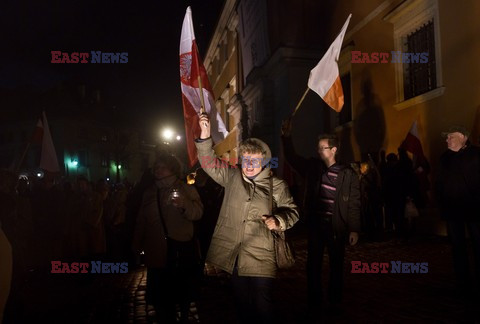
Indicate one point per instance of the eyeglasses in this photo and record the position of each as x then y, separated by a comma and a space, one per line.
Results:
325, 148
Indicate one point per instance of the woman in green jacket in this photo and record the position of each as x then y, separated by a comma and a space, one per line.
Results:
242, 244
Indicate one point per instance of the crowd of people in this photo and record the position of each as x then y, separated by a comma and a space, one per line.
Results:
227, 216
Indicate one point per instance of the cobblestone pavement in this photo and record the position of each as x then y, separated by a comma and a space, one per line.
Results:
368, 298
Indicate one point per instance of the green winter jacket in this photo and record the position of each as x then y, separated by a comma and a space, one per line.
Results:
240, 233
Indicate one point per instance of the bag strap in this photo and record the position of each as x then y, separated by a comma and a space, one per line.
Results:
165, 230
270, 195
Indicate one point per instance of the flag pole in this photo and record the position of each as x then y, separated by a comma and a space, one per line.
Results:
202, 100
19, 165
199, 78
300, 102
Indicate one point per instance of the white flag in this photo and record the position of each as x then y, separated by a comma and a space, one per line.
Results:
325, 77
48, 159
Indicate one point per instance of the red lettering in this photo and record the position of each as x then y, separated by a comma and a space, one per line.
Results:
374, 268
84, 56
384, 266
374, 57
65, 58
55, 59
56, 267
365, 58
84, 267
384, 57
74, 267
74, 57
356, 56
365, 268
356, 267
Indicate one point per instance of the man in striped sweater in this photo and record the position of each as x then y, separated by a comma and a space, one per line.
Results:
332, 207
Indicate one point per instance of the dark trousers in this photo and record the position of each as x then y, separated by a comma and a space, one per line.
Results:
456, 232
321, 235
177, 283
253, 298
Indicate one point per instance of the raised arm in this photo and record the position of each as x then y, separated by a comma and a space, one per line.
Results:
297, 162
217, 169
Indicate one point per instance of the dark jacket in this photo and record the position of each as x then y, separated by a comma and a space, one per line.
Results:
458, 184
149, 232
346, 212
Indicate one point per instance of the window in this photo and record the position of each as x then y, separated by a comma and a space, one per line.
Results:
416, 30
420, 77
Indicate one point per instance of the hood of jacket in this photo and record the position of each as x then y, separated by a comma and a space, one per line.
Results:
265, 173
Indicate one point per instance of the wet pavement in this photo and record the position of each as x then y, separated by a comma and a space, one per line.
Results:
368, 297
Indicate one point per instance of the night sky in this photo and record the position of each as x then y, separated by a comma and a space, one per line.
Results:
147, 88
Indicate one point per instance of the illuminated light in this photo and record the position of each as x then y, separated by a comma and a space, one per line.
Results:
39, 175
179, 137
119, 166
167, 134
74, 163
108, 179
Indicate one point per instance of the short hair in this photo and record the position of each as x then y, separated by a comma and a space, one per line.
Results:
170, 162
251, 146
332, 140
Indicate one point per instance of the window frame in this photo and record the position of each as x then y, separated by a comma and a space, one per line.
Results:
406, 18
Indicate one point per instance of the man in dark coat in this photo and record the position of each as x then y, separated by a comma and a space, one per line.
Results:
458, 193
332, 205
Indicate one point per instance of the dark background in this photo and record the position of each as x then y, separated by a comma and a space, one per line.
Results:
146, 90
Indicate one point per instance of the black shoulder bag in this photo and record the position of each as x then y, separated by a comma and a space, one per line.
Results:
283, 251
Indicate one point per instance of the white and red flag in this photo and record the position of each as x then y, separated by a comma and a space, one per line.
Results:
325, 77
412, 143
194, 82
48, 157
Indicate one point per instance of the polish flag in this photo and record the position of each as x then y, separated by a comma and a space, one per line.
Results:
191, 67
412, 143
48, 158
325, 77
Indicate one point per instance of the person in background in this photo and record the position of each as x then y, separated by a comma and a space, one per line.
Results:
332, 205
458, 194
165, 232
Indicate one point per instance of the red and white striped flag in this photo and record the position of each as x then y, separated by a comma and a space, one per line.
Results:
325, 77
191, 67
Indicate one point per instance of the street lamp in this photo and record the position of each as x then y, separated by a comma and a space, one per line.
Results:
167, 134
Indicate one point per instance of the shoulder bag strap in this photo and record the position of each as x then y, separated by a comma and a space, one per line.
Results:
270, 196
165, 230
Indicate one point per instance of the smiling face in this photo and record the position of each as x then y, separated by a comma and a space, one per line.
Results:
252, 164
455, 141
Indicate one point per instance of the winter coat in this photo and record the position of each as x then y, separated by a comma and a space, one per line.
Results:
458, 184
149, 233
346, 210
240, 234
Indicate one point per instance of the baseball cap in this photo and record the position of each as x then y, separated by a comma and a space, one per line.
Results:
456, 128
